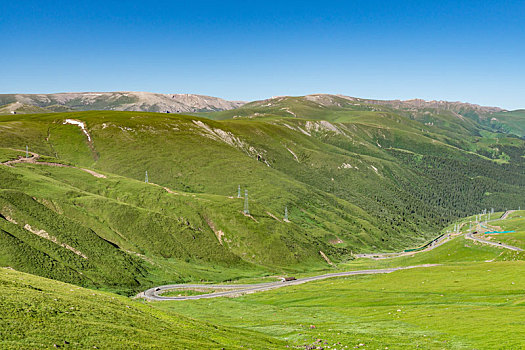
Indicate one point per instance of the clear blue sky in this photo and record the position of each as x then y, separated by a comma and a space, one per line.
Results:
470, 51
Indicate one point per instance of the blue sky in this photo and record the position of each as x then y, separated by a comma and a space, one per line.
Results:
470, 51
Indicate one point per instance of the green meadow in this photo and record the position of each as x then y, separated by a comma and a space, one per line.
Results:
39, 313
465, 303
474, 299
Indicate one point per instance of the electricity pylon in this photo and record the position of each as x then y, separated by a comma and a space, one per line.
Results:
246, 209
146, 179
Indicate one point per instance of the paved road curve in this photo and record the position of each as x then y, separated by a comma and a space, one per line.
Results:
239, 289
379, 256
503, 245
504, 216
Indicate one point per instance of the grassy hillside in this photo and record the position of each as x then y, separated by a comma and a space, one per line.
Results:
17, 107
475, 306
38, 313
352, 182
451, 117
474, 299
512, 122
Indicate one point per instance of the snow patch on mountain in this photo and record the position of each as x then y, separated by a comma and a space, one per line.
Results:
80, 124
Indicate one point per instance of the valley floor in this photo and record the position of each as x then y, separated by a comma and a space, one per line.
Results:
465, 306
474, 299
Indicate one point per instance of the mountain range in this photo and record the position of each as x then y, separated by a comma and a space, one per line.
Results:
494, 117
326, 177
116, 101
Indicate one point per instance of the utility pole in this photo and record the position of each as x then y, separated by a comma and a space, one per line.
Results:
246, 210
146, 179
239, 191
27, 152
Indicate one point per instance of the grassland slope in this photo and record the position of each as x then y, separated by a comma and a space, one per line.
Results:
39, 313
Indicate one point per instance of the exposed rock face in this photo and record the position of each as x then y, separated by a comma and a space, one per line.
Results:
122, 101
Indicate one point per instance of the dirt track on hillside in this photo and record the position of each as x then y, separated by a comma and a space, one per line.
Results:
33, 159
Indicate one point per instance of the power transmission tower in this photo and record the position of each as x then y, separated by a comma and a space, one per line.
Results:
285, 213
246, 209
146, 180
239, 191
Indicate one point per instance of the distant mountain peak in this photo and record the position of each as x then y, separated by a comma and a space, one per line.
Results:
122, 101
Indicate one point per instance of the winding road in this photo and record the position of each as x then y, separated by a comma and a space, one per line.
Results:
496, 244
233, 290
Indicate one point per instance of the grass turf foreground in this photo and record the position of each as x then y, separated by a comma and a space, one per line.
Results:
467, 306
38, 313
